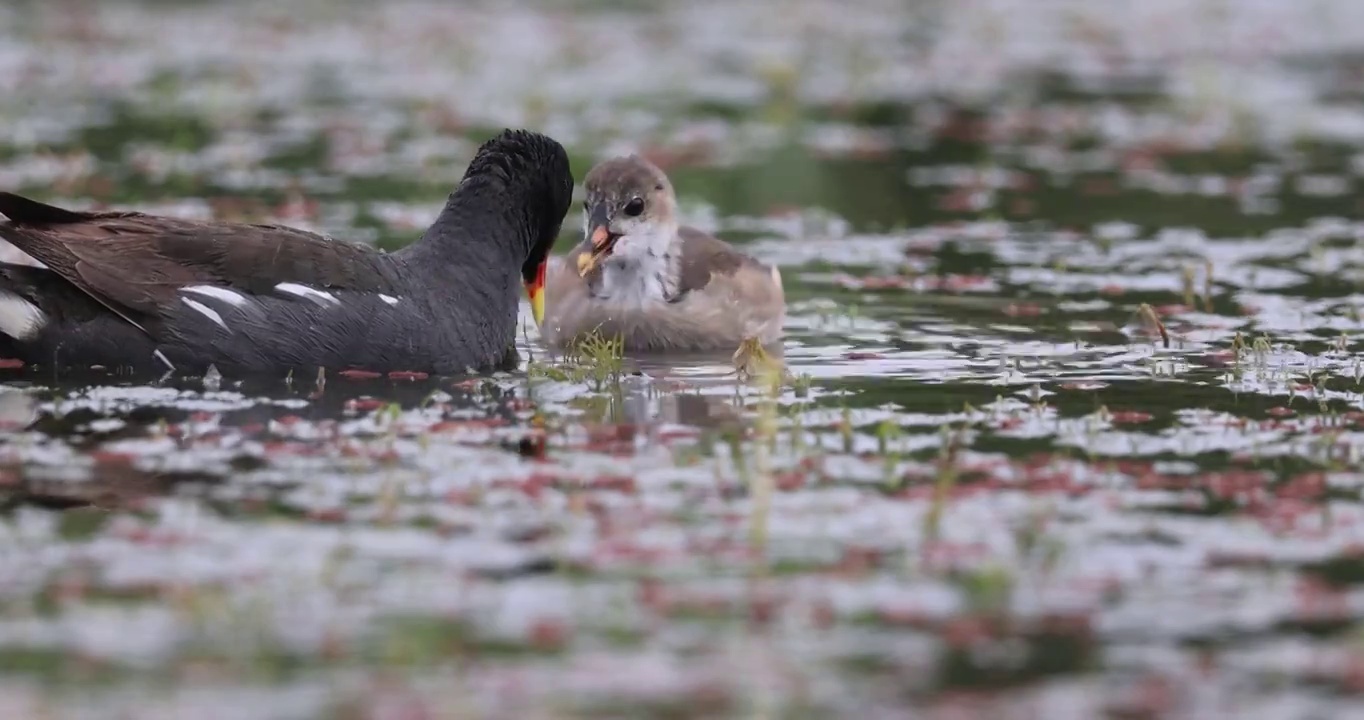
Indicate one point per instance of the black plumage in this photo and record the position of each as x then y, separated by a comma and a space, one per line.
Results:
126, 289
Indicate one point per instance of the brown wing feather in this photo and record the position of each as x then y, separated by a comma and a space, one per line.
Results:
705, 256
136, 262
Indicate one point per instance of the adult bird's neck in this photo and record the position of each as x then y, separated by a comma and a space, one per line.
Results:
483, 224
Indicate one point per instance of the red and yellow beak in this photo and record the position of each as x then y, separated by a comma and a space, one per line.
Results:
535, 290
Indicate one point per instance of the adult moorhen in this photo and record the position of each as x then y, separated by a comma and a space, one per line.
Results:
126, 289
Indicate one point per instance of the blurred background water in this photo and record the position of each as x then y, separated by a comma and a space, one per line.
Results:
986, 489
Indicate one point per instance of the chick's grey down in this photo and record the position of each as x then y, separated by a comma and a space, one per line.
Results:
125, 289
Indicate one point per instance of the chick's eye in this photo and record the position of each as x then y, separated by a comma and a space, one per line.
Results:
634, 207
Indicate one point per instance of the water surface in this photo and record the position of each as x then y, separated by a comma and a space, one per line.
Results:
985, 487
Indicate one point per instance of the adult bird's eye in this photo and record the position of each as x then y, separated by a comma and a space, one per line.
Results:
634, 207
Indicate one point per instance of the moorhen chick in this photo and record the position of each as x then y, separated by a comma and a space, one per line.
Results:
656, 285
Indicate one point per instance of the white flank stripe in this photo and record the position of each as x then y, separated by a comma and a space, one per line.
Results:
207, 311
19, 318
304, 291
388, 299
231, 297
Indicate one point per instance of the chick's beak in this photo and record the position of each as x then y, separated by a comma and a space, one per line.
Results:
601, 237
535, 290
599, 229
